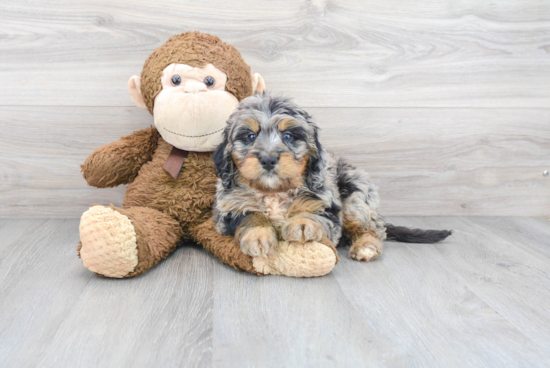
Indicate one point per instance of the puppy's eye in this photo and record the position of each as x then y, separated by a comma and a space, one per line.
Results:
209, 81
288, 137
251, 137
176, 80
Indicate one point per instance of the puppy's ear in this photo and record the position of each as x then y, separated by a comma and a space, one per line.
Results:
224, 163
316, 166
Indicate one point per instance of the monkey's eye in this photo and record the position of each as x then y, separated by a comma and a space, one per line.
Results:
209, 81
288, 137
176, 80
251, 137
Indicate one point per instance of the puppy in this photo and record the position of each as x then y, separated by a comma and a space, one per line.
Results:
278, 183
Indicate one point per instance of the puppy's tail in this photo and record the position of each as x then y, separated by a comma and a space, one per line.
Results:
406, 235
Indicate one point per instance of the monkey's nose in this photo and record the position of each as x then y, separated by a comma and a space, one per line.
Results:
193, 87
268, 162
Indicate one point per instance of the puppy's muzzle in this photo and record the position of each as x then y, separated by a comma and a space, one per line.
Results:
269, 162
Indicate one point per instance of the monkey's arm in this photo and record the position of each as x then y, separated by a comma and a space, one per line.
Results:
119, 162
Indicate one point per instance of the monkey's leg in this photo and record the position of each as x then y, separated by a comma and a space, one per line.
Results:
299, 259
116, 242
222, 246
290, 259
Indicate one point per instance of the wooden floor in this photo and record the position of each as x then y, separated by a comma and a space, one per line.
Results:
481, 298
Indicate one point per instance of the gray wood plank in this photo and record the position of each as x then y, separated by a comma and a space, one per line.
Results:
275, 322
514, 282
40, 284
431, 314
161, 319
458, 303
474, 161
347, 53
54, 312
530, 234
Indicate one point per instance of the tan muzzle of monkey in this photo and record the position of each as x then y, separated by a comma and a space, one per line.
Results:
194, 121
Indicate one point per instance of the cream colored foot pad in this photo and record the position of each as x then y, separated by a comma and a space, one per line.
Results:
108, 242
308, 259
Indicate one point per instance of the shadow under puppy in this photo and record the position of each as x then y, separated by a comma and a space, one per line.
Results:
278, 183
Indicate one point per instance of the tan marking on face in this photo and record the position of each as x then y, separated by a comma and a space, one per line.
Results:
289, 173
286, 123
288, 167
252, 125
250, 168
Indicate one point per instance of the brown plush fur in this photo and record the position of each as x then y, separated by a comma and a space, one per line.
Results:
162, 210
119, 162
165, 211
157, 235
188, 199
223, 247
197, 50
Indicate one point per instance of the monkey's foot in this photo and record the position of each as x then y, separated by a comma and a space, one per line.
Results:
366, 248
294, 259
108, 242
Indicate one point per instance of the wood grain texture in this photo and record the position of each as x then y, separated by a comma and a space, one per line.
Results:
477, 299
445, 103
412, 299
499, 269
48, 299
353, 53
425, 162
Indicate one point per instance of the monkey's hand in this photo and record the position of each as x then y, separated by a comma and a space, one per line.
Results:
301, 228
259, 240
119, 162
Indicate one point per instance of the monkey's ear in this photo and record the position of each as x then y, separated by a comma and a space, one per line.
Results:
134, 87
258, 84
224, 163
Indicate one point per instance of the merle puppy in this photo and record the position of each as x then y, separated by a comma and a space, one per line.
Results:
278, 183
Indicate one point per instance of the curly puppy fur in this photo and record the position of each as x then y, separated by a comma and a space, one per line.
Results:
278, 183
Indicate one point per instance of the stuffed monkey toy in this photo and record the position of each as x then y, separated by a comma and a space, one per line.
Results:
191, 85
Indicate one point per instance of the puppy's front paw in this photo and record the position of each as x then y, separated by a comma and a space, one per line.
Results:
301, 229
366, 248
259, 240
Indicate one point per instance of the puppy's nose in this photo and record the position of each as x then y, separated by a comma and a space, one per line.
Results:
268, 162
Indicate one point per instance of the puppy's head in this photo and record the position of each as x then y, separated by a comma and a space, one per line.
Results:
270, 144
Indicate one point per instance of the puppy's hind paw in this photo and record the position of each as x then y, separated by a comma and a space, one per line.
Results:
366, 248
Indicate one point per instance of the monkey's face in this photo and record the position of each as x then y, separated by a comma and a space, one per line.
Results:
191, 84
193, 106
270, 146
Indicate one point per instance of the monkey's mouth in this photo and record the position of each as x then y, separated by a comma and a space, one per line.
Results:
193, 136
